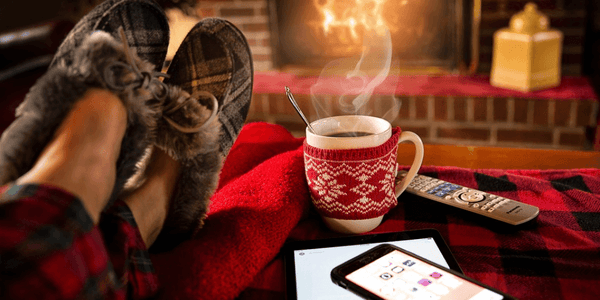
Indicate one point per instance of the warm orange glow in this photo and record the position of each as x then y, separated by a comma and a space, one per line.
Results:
328, 20
351, 18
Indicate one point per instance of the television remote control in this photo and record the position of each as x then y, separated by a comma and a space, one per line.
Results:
482, 203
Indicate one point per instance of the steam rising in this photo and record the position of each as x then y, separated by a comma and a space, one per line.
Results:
347, 86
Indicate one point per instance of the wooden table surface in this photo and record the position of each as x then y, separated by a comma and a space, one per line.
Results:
474, 157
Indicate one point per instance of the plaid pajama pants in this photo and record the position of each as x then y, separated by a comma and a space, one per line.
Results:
50, 248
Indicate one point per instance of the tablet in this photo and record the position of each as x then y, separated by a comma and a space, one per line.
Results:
308, 264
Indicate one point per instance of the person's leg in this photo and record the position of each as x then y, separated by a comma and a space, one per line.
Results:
161, 177
49, 244
82, 156
50, 213
127, 250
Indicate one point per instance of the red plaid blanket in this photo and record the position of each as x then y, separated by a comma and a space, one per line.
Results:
263, 200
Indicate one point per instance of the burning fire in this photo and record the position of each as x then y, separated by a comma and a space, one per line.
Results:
350, 18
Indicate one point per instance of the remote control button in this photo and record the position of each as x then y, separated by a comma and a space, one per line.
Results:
460, 201
471, 196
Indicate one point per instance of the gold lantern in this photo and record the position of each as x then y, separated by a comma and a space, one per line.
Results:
527, 55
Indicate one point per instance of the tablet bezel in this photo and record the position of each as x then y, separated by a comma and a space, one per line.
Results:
289, 248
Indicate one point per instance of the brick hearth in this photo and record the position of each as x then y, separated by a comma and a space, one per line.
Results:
509, 122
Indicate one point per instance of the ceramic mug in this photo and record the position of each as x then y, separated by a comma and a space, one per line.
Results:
350, 166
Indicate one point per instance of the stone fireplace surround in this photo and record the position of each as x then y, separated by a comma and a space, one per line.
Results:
513, 120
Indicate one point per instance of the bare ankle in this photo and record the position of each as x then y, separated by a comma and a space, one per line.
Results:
81, 158
150, 202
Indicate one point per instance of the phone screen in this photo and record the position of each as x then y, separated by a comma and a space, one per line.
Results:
398, 275
313, 266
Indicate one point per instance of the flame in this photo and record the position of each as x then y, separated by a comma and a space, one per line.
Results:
329, 18
352, 17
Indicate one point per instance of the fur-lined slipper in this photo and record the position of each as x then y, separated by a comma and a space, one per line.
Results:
213, 63
100, 62
215, 57
189, 132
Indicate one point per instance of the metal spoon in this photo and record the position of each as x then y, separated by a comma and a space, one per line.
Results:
291, 97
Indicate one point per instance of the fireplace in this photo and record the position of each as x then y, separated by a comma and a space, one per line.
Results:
432, 106
434, 36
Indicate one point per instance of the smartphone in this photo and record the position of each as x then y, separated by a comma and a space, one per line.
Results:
389, 272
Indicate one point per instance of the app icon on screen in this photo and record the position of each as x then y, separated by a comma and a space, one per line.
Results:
424, 282
435, 275
397, 269
385, 276
409, 263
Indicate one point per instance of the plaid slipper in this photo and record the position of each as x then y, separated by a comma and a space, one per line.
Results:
215, 57
144, 22
213, 63
100, 62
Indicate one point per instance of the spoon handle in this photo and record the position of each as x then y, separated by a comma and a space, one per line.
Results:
291, 97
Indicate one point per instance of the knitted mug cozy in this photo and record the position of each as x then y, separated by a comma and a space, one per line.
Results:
353, 184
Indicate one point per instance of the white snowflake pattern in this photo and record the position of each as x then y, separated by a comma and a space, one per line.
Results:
387, 185
328, 187
363, 189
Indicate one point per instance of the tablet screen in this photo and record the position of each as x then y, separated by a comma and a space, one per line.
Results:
312, 265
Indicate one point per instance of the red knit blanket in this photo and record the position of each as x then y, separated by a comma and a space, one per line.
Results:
263, 200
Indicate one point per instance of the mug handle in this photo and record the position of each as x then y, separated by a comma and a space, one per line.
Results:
408, 136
